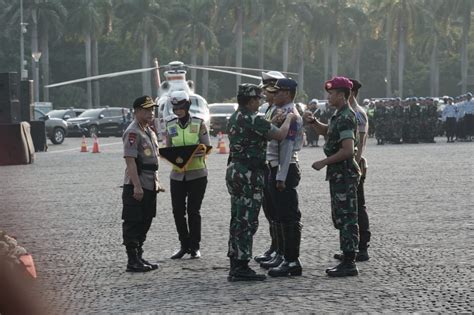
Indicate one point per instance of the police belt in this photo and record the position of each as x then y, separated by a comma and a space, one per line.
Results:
251, 164
149, 167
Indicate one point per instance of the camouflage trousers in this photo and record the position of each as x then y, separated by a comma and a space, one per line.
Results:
344, 211
246, 193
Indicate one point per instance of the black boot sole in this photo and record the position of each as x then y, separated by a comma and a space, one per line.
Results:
136, 270
343, 274
236, 279
293, 273
262, 259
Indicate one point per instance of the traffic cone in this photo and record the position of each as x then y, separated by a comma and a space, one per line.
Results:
219, 140
83, 144
27, 261
95, 146
222, 146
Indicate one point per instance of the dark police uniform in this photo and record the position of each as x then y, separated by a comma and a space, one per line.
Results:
141, 144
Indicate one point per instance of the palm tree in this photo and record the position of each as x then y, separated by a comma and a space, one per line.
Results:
238, 9
144, 23
435, 37
462, 9
199, 17
51, 16
85, 23
402, 17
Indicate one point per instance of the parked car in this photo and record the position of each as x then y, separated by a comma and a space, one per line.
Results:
56, 128
65, 113
106, 121
220, 114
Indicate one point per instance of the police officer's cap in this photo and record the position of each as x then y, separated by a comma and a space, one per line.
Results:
249, 90
179, 99
144, 102
270, 77
283, 84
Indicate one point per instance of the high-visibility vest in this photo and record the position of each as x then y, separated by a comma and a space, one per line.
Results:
186, 136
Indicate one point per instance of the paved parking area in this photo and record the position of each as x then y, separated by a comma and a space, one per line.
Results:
65, 208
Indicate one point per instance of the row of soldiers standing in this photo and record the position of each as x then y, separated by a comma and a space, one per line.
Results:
415, 120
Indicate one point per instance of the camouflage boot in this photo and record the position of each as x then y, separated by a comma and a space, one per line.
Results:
346, 268
240, 271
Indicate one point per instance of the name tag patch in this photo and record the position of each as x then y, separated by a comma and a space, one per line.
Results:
173, 131
132, 138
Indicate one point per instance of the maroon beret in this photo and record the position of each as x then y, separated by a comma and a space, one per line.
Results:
338, 83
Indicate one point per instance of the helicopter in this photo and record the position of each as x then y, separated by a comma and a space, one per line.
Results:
175, 80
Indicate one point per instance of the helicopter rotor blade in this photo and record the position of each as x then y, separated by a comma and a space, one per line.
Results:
226, 71
248, 69
102, 76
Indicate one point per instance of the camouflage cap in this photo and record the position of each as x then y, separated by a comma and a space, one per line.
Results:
250, 90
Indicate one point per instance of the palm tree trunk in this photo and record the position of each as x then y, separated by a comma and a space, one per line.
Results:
87, 45
326, 60
357, 57
95, 71
334, 56
301, 67
194, 53
44, 44
286, 44
34, 48
464, 48
388, 75
433, 61
146, 78
401, 53
205, 74
239, 41
261, 45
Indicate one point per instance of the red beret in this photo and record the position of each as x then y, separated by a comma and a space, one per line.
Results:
338, 83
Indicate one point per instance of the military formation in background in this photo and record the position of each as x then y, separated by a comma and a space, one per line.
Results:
415, 120
412, 120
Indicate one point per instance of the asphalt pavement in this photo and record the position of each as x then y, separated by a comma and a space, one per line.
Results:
65, 208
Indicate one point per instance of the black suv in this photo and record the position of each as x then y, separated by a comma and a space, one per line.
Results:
107, 121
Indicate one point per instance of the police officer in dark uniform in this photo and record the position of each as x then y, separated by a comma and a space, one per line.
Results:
141, 183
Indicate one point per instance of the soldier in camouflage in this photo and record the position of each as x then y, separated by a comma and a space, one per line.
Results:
343, 172
248, 136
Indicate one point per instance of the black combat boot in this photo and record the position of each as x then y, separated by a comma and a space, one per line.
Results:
291, 266
269, 253
280, 249
195, 253
240, 271
145, 262
346, 268
134, 263
180, 253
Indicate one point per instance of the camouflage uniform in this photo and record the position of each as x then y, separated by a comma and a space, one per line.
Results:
245, 178
343, 179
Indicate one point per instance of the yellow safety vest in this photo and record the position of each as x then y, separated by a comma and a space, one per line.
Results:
186, 136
